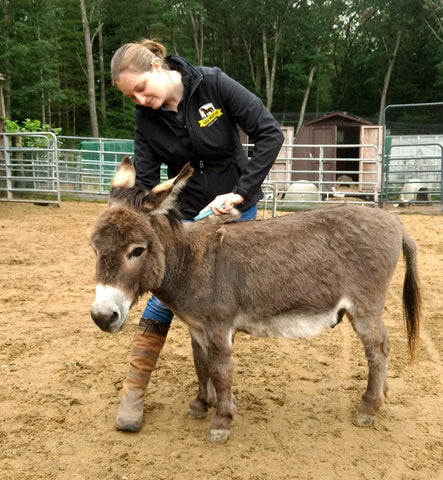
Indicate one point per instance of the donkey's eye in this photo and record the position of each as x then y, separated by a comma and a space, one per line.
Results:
136, 252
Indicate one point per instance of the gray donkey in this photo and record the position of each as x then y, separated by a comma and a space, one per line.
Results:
292, 276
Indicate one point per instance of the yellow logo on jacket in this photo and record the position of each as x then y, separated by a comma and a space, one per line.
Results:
209, 114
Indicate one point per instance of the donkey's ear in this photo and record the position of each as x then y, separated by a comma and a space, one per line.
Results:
163, 196
125, 175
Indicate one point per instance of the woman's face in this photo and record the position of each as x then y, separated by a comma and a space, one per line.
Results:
149, 89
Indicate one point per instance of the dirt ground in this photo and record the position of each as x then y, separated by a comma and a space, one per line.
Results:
61, 377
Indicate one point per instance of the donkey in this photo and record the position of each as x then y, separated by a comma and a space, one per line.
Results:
292, 276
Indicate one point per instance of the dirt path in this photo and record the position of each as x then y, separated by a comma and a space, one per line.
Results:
60, 379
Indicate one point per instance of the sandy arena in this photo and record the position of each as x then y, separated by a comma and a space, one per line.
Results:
61, 377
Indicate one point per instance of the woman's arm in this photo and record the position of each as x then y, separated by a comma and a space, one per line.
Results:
147, 168
248, 111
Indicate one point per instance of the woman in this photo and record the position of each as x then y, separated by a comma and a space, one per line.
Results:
186, 113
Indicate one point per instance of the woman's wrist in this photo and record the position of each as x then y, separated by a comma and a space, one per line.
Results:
225, 203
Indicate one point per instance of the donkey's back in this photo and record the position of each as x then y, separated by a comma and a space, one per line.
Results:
296, 275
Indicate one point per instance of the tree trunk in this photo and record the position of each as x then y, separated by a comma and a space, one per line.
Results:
308, 90
270, 73
102, 74
102, 65
305, 98
265, 64
255, 72
4, 75
90, 70
197, 33
388, 75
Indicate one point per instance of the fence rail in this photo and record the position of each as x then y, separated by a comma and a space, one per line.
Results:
409, 177
42, 167
29, 167
320, 176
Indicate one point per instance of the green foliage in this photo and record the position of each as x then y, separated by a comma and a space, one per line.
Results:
32, 126
29, 125
347, 44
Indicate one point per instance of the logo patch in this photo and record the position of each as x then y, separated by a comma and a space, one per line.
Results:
209, 114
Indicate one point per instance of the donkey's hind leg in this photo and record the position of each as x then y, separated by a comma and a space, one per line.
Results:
375, 341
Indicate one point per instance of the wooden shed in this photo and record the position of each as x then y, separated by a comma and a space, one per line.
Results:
335, 129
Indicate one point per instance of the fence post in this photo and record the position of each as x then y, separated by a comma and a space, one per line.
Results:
320, 170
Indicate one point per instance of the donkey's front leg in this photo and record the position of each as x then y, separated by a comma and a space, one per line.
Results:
206, 397
220, 371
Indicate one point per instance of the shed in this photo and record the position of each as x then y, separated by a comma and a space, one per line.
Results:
335, 129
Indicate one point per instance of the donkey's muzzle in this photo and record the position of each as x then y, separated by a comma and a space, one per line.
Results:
110, 308
106, 321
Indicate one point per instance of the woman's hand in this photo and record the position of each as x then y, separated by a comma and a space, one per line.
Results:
224, 203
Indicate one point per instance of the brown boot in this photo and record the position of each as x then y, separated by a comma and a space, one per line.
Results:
146, 346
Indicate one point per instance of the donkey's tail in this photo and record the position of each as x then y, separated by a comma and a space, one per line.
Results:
411, 293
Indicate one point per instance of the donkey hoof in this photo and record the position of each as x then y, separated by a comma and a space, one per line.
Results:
196, 414
219, 435
364, 420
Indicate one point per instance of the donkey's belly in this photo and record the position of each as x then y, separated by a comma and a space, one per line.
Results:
294, 324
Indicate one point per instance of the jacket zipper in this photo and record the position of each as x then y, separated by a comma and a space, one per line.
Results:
192, 132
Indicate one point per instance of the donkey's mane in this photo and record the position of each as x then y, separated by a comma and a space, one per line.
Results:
131, 197
134, 199
175, 218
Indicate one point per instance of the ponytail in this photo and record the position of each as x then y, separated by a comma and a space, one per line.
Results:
137, 57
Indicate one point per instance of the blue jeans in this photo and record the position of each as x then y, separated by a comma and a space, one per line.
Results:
155, 310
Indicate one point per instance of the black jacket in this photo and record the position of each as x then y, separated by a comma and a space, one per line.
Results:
205, 132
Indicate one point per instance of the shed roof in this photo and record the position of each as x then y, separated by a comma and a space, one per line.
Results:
338, 118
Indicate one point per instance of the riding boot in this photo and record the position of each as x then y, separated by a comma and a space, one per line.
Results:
146, 346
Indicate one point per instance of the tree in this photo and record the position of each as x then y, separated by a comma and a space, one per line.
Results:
28, 53
197, 17
433, 19
101, 64
435, 23
302, 57
272, 34
90, 73
318, 29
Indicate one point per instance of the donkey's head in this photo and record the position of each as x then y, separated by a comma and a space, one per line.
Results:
129, 254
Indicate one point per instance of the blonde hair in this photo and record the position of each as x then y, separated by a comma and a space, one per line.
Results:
137, 57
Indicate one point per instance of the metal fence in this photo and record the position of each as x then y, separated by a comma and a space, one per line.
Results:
87, 165
41, 167
413, 173
29, 167
413, 154
313, 174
